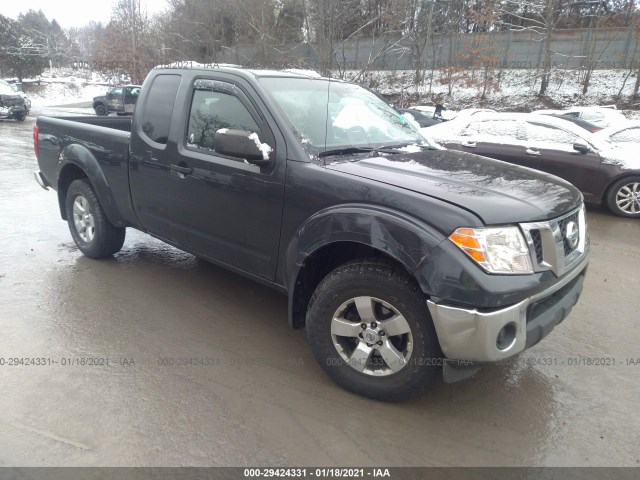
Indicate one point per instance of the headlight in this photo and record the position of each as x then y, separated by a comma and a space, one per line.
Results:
496, 249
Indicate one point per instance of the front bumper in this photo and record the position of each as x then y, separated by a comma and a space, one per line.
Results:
471, 335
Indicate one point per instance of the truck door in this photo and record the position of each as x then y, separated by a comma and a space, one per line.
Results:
234, 207
130, 98
115, 99
218, 206
154, 192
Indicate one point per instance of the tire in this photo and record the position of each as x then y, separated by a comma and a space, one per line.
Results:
623, 197
100, 110
92, 232
20, 116
334, 319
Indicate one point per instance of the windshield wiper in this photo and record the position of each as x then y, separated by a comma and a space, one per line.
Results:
347, 151
391, 149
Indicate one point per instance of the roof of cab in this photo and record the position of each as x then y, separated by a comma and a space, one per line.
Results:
231, 68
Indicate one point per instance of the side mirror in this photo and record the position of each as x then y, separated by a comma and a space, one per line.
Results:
242, 144
581, 147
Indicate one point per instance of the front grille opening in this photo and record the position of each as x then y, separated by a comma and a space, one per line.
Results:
540, 307
537, 244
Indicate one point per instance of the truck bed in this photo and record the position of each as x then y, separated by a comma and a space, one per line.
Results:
99, 143
115, 123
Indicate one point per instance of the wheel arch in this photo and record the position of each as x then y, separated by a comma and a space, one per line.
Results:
338, 235
78, 162
615, 180
608, 190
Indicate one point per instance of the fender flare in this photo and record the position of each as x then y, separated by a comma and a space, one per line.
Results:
403, 238
82, 158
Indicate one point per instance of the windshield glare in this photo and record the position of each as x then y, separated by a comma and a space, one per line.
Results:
331, 115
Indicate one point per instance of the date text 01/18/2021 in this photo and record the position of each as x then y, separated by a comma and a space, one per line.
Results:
317, 472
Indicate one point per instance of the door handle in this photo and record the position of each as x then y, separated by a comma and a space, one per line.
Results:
180, 169
469, 144
530, 151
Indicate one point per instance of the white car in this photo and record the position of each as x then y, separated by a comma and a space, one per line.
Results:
601, 116
468, 112
623, 134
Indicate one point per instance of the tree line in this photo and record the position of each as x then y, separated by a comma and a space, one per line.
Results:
203, 30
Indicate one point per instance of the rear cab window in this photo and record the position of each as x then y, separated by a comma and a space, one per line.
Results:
157, 112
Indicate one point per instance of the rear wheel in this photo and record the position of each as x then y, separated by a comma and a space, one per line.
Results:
92, 232
369, 327
624, 197
20, 116
100, 110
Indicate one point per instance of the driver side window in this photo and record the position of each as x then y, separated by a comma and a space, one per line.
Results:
212, 110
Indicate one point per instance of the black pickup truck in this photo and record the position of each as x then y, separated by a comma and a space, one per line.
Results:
121, 100
401, 259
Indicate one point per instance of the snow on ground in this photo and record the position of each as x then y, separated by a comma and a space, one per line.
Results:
516, 89
62, 86
59, 93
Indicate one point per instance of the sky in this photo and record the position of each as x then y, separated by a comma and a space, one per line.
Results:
72, 13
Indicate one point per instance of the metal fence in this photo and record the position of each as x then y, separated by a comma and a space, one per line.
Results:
608, 48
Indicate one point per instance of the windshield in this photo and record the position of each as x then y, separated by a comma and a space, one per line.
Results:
331, 115
6, 89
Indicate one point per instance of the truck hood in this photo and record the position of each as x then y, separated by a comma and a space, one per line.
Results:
495, 191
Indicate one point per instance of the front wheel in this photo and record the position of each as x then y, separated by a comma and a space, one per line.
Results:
369, 327
91, 230
100, 110
624, 197
20, 116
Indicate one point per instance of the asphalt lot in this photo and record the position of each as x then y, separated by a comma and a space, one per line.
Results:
263, 400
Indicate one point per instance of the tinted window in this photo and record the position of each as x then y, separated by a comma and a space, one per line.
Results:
545, 136
156, 116
213, 110
628, 135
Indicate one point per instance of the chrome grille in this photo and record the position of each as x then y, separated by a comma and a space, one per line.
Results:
537, 244
562, 223
557, 244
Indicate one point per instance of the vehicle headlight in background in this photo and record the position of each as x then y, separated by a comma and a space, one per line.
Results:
495, 249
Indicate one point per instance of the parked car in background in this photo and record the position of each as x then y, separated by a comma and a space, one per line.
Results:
468, 112
624, 134
588, 126
121, 100
423, 119
13, 103
601, 116
604, 174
